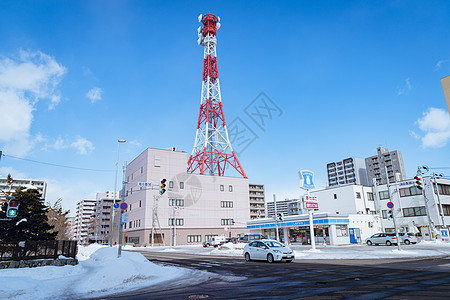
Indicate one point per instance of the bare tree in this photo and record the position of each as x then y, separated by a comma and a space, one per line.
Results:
57, 217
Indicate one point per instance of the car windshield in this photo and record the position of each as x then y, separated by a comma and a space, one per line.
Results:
273, 244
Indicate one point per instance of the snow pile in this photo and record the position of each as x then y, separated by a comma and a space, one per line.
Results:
98, 273
229, 249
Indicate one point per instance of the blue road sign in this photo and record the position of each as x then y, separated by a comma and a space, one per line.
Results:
390, 205
116, 205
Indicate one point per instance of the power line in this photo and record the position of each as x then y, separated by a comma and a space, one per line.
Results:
55, 165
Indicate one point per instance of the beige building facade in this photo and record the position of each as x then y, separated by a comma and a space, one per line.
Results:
192, 210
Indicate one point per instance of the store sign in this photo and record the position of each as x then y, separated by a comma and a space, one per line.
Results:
306, 179
311, 202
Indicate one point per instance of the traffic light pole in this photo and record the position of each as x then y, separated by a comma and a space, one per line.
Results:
421, 187
119, 251
393, 211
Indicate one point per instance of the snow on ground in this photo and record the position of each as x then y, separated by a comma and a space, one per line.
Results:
422, 249
99, 273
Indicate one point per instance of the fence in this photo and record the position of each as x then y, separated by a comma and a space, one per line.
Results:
37, 250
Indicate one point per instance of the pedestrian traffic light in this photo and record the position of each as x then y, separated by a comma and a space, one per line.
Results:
13, 206
280, 217
419, 182
389, 214
163, 186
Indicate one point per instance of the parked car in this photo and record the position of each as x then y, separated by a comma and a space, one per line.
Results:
382, 238
231, 240
269, 250
251, 237
407, 238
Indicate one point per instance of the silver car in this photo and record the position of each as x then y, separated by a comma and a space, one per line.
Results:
407, 238
382, 238
269, 250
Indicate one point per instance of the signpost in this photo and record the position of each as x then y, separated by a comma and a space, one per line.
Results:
123, 206
390, 205
444, 235
307, 183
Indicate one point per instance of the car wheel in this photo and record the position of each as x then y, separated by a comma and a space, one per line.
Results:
407, 242
247, 257
289, 260
270, 258
369, 243
388, 243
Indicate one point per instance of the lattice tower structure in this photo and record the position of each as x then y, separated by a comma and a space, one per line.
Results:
212, 151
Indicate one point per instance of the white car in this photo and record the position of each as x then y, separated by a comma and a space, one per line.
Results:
269, 250
407, 238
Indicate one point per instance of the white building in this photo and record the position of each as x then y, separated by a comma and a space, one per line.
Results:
194, 207
415, 210
85, 209
348, 171
100, 226
40, 185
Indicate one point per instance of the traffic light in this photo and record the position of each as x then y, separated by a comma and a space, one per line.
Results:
280, 217
163, 186
13, 206
419, 182
389, 214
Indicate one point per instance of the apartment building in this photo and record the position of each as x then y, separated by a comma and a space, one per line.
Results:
257, 201
85, 209
348, 171
391, 160
100, 225
40, 185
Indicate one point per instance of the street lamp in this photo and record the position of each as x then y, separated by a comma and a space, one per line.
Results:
115, 191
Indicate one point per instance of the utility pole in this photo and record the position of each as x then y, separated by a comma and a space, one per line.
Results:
430, 223
393, 210
119, 251
441, 210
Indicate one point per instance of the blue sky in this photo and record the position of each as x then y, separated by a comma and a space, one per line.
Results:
346, 77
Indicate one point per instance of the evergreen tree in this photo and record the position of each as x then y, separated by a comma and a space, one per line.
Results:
31, 208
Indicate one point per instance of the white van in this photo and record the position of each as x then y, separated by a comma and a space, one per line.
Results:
215, 241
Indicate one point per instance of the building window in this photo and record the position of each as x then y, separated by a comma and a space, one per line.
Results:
410, 191
444, 189
142, 170
341, 230
384, 195
209, 237
370, 196
130, 225
181, 185
226, 222
446, 209
176, 222
170, 184
140, 203
414, 211
176, 202
157, 162
335, 196
222, 188
230, 188
358, 195
226, 204
194, 238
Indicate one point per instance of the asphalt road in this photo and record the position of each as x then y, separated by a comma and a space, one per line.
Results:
319, 279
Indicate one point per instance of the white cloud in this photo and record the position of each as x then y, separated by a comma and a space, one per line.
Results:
435, 123
4, 171
405, 88
95, 94
82, 145
439, 64
25, 80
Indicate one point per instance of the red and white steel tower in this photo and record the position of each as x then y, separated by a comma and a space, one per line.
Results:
212, 151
